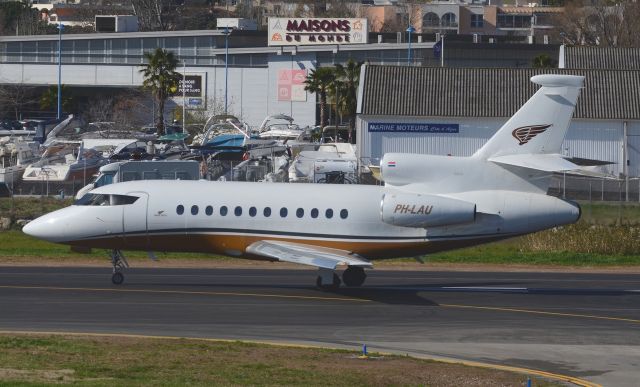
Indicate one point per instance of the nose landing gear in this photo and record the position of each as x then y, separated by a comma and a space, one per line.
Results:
119, 263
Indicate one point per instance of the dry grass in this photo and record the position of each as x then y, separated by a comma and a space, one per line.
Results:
587, 239
114, 361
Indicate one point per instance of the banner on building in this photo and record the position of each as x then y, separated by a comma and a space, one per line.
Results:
291, 85
309, 31
194, 86
395, 127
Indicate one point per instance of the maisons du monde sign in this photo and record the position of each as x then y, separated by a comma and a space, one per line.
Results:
309, 31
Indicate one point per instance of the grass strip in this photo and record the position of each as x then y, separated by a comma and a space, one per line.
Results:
44, 360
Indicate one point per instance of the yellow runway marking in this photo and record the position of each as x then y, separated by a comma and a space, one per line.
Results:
186, 292
521, 370
541, 312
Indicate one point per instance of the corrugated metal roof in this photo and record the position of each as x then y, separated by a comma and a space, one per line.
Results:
605, 58
490, 92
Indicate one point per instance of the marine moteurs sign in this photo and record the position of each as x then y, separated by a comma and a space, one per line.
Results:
305, 31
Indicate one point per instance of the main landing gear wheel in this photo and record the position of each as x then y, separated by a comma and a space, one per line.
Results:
119, 263
354, 276
334, 285
117, 278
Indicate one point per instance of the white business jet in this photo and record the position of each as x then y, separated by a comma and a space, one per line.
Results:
428, 204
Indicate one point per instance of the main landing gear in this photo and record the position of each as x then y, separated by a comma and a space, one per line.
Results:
329, 280
119, 263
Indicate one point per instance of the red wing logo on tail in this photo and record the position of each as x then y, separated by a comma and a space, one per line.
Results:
525, 133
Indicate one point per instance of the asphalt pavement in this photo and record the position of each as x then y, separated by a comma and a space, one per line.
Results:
577, 324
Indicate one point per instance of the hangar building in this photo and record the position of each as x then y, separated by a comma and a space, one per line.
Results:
454, 111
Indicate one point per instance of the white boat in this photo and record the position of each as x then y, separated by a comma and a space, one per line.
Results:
65, 161
15, 156
280, 127
331, 163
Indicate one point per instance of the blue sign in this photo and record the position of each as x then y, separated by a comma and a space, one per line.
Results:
391, 127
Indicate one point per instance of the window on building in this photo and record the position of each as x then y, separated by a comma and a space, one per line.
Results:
430, 19
477, 20
449, 20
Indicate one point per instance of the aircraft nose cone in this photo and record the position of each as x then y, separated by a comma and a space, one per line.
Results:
46, 228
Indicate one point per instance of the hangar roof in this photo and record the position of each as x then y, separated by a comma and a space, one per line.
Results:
489, 92
606, 58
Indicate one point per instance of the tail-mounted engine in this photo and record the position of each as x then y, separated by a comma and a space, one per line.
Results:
422, 211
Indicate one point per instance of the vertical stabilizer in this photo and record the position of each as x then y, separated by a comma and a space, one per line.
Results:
539, 127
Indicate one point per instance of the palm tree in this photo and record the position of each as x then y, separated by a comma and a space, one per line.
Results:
161, 79
49, 99
319, 81
345, 91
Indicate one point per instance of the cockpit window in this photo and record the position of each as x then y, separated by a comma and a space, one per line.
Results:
105, 200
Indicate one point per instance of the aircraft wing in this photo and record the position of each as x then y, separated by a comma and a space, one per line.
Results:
322, 257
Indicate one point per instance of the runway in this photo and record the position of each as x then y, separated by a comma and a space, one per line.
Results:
583, 325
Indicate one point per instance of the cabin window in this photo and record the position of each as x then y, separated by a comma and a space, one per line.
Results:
344, 213
238, 211
180, 209
299, 212
194, 210
223, 210
314, 213
266, 212
208, 210
283, 212
328, 213
121, 200
252, 212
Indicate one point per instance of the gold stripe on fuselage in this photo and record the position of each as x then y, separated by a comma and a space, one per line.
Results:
236, 244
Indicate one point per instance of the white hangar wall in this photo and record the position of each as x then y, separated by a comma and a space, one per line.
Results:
252, 91
591, 139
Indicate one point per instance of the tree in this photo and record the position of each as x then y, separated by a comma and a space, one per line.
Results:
319, 81
15, 98
543, 61
161, 79
152, 14
19, 18
49, 99
345, 90
599, 23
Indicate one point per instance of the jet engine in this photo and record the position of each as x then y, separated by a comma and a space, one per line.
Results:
422, 211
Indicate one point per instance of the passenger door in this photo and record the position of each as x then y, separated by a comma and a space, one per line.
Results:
134, 222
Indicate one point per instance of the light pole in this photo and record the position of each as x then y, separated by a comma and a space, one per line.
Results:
226, 66
60, 28
410, 30
184, 94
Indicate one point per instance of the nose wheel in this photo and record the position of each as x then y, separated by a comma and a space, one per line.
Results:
119, 263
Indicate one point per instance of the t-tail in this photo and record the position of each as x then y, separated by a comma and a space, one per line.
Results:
521, 156
533, 137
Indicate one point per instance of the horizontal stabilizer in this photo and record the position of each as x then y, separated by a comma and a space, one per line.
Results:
317, 256
540, 162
